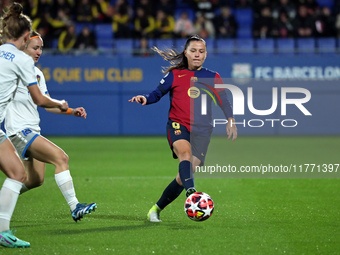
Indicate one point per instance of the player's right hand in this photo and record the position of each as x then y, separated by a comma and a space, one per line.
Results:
138, 99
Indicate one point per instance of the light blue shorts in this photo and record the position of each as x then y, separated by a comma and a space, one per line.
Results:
22, 140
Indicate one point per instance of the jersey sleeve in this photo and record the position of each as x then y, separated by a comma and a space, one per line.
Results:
27, 72
224, 103
163, 88
41, 81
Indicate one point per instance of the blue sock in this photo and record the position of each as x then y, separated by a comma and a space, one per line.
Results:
169, 194
186, 174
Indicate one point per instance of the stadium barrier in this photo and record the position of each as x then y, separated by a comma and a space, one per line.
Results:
102, 84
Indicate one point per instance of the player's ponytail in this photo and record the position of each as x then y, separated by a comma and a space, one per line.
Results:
177, 60
14, 23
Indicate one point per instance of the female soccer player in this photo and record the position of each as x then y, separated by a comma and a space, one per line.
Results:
15, 66
188, 130
22, 126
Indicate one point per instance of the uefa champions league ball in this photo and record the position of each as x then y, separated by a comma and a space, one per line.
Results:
199, 206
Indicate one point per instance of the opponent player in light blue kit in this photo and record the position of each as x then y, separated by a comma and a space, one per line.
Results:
22, 126
15, 66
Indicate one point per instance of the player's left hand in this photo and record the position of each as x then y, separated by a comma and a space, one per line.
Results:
231, 129
80, 112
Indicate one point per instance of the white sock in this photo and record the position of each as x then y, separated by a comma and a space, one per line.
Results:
24, 189
65, 184
8, 198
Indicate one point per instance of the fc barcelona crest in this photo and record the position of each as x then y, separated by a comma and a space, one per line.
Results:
193, 79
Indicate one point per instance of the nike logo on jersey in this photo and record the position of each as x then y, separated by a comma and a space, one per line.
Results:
179, 76
187, 179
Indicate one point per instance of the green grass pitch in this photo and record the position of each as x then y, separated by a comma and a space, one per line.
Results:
126, 175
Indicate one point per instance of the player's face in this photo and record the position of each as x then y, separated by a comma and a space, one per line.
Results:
196, 53
34, 48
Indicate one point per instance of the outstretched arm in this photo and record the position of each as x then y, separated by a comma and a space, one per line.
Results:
153, 97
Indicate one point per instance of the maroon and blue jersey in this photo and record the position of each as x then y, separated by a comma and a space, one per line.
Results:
186, 89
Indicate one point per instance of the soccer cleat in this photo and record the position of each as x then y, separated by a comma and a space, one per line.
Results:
190, 191
7, 239
82, 209
153, 214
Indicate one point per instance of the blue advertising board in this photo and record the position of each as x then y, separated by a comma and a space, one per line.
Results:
104, 84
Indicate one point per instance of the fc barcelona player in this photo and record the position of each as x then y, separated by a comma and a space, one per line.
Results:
188, 130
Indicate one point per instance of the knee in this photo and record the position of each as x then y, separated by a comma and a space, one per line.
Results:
184, 155
63, 158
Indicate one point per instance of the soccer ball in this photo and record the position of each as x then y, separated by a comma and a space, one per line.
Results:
199, 206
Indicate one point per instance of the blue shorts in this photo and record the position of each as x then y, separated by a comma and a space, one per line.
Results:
199, 144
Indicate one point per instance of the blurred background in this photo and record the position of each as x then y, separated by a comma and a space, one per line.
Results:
97, 54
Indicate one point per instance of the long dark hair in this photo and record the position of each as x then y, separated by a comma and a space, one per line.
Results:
177, 60
14, 23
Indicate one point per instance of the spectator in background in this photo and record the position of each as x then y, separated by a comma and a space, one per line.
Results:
121, 19
205, 8
143, 48
86, 39
324, 23
83, 11
165, 25
303, 23
67, 39
43, 25
287, 6
40, 7
258, 6
184, 26
62, 5
100, 10
144, 24
204, 27
311, 5
60, 22
147, 6
50, 28
283, 27
166, 6
225, 24
263, 25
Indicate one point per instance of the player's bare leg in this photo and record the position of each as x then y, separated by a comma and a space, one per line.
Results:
45, 151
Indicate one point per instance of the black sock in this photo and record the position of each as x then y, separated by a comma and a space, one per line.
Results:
186, 174
169, 194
